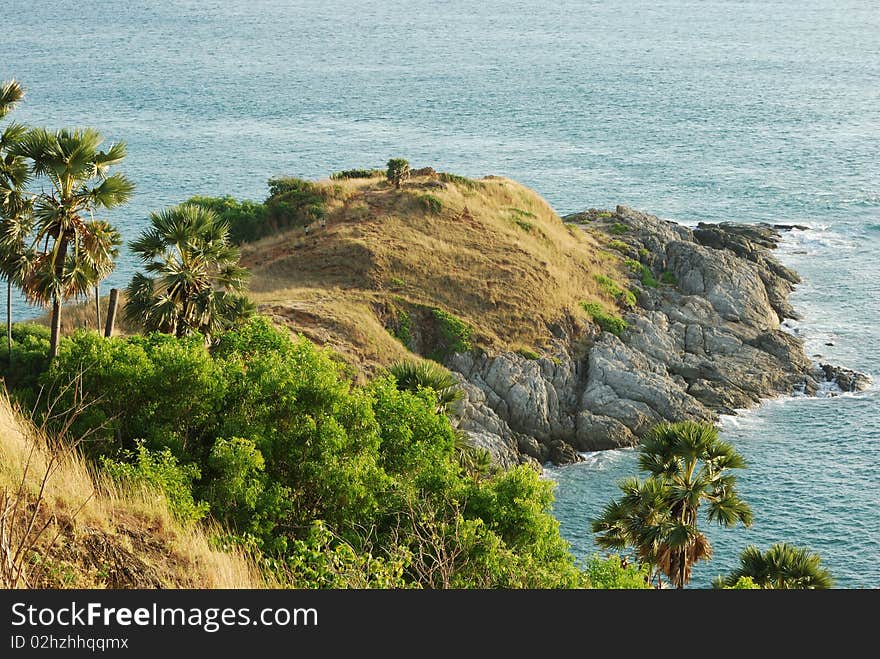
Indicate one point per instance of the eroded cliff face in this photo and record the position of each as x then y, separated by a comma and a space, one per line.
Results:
705, 341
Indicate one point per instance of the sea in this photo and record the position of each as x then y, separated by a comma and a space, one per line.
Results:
693, 110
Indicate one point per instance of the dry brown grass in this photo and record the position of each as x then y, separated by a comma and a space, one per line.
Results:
98, 534
495, 255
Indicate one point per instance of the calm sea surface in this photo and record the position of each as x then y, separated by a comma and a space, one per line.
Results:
708, 110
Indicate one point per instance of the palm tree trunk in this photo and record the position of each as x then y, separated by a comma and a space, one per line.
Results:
56, 328
9, 318
97, 308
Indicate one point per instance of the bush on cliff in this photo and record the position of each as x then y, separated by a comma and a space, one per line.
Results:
268, 433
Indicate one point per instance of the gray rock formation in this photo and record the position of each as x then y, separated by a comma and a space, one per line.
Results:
707, 344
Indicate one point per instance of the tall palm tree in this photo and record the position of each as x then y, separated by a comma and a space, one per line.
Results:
197, 283
73, 250
688, 466
15, 202
781, 567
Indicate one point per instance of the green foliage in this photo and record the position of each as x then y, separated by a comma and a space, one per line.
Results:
528, 353
608, 322
644, 253
416, 376
668, 278
611, 573
247, 220
782, 567
688, 466
29, 357
743, 583
397, 171
332, 484
397, 282
430, 203
644, 272
294, 202
197, 283
618, 229
619, 246
623, 296
323, 560
454, 334
155, 388
402, 328
162, 471
459, 181
604, 215
357, 173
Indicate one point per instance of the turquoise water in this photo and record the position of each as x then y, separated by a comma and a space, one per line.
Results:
714, 110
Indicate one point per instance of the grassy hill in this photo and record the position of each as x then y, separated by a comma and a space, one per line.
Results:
78, 530
444, 262
442, 259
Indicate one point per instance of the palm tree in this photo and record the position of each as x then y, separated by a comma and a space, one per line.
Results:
15, 203
73, 251
781, 567
426, 374
688, 466
197, 283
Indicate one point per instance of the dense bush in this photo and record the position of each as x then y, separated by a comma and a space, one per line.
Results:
247, 219
30, 347
453, 334
333, 484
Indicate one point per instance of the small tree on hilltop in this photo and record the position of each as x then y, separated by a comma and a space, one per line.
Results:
398, 171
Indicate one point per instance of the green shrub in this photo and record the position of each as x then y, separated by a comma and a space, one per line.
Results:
604, 215
430, 203
618, 229
30, 357
610, 574
528, 353
619, 246
397, 172
356, 173
644, 272
295, 202
454, 334
402, 328
460, 181
644, 253
247, 219
605, 320
622, 295
668, 278
162, 471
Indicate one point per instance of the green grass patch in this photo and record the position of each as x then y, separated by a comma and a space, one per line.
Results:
460, 181
669, 278
528, 353
643, 271
430, 204
618, 229
619, 246
622, 295
607, 321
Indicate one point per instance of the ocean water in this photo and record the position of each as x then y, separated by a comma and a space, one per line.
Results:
739, 110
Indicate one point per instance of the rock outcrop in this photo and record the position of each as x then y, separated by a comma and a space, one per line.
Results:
705, 340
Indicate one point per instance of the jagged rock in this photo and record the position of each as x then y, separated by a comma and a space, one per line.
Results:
709, 344
846, 379
562, 453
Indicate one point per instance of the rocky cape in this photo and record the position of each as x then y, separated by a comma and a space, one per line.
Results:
706, 340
